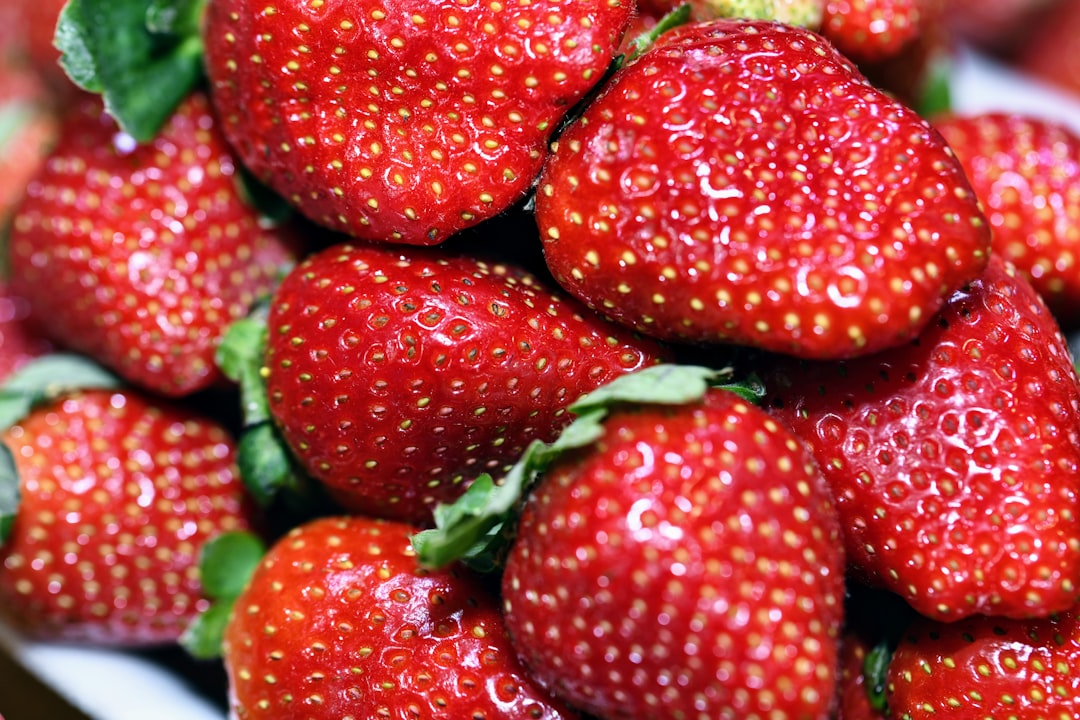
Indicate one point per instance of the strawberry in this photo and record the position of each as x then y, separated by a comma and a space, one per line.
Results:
869, 30
140, 255
27, 33
954, 459
397, 375
403, 121
741, 182
1026, 173
19, 342
987, 668
28, 128
855, 688
685, 563
118, 494
804, 13
340, 620
1050, 50
1001, 26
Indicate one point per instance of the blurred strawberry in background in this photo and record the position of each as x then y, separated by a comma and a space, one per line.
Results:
997, 25
1051, 51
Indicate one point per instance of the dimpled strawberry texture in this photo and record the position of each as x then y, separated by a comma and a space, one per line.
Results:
405, 120
743, 183
118, 495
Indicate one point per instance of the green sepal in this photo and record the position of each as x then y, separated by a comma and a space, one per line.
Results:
644, 41
142, 56
47, 377
273, 209
9, 492
935, 96
478, 526
226, 564
266, 465
875, 670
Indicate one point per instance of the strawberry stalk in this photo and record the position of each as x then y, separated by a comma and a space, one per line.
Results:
226, 564
478, 527
142, 56
39, 381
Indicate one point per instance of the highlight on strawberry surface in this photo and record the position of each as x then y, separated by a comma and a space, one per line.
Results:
562, 359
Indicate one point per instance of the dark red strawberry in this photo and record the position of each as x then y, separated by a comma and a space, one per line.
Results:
987, 668
686, 563
118, 495
1026, 172
398, 375
869, 30
403, 121
954, 460
742, 182
340, 621
140, 255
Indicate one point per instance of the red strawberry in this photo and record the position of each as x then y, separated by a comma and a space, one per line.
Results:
1050, 49
742, 182
687, 563
404, 121
870, 30
140, 255
28, 128
118, 494
1026, 172
398, 375
1001, 26
987, 668
19, 342
854, 686
27, 33
954, 460
340, 621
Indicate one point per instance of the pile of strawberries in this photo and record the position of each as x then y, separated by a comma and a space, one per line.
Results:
556, 359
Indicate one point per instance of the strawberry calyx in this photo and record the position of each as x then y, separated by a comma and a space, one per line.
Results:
645, 40
266, 464
40, 380
142, 56
477, 528
226, 564
875, 672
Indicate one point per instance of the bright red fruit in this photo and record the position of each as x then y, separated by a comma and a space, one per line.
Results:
340, 621
118, 495
1026, 172
403, 121
397, 375
954, 460
686, 564
987, 668
742, 182
869, 30
140, 255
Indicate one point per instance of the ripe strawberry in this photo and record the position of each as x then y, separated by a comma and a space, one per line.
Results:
28, 128
1050, 51
27, 33
1026, 173
140, 255
954, 459
403, 121
340, 620
804, 13
854, 686
869, 30
741, 182
687, 563
118, 494
397, 375
987, 668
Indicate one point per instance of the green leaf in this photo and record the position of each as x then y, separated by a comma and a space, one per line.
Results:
142, 56
875, 671
9, 492
240, 357
658, 384
227, 561
936, 96
47, 377
202, 637
273, 209
266, 465
644, 41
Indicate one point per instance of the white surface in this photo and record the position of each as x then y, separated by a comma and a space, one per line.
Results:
110, 685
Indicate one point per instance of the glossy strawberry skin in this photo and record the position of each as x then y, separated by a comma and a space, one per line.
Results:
954, 459
398, 375
140, 256
118, 495
340, 616
987, 667
711, 196
1025, 171
404, 121
688, 564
